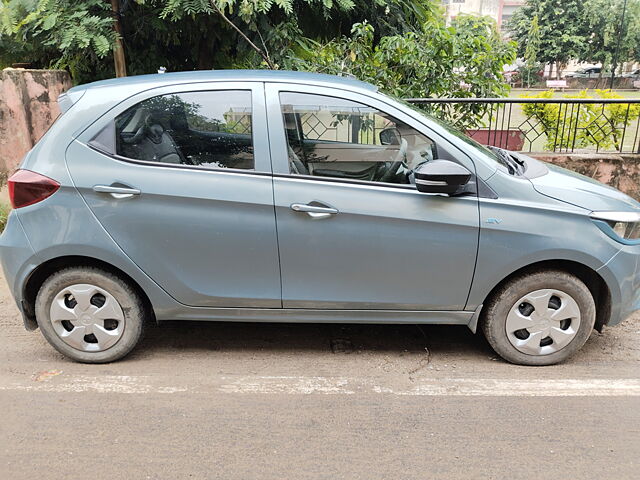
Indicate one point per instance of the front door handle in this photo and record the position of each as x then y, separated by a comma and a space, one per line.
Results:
117, 192
314, 211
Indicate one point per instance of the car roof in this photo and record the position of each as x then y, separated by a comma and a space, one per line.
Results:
281, 76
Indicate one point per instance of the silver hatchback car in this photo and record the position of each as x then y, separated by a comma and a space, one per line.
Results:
295, 197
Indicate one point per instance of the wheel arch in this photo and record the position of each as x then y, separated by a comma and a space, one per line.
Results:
592, 279
46, 269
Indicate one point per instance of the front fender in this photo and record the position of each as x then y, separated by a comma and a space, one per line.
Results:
517, 235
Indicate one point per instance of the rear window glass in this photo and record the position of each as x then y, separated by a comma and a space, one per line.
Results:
208, 129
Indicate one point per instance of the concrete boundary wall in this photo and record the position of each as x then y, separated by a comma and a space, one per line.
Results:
28, 106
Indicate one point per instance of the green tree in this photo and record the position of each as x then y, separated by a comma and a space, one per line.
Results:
406, 49
587, 30
438, 61
562, 25
464, 60
532, 66
182, 34
60, 32
605, 31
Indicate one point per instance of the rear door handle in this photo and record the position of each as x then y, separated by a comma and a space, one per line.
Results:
314, 211
117, 192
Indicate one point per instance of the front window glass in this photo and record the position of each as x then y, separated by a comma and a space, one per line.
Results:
456, 133
334, 137
208, 129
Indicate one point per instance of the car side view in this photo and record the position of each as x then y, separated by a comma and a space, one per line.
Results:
295, 197
590, 72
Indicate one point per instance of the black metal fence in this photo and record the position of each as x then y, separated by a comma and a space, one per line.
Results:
539, 125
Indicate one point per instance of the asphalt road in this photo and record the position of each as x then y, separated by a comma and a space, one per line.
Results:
269, 401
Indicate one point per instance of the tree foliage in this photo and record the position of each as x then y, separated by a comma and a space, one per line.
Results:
403, 46
604, 31
584, 30
182, 34
529, 72
62, 33
561, 26
464, 60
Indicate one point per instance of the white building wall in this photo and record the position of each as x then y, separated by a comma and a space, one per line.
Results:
496, 9
472, 7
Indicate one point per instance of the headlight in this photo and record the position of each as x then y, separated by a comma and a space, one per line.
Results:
625, 225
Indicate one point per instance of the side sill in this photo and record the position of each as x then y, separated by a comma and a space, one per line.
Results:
295, 315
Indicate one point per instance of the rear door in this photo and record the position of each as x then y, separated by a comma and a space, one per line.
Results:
181, 180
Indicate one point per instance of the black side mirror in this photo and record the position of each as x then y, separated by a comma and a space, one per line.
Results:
441, 176
390, 136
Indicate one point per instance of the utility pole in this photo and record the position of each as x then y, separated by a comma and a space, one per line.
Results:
621, 32
118, 49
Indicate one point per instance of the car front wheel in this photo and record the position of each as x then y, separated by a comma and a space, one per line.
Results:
90, 315
540, 318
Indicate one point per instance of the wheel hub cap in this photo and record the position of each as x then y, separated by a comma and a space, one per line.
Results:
87, 317
543, 322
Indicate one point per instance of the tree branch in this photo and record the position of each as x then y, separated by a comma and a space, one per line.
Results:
265, 56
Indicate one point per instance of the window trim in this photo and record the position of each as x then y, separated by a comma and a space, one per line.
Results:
182, 166
259, 125
352, 181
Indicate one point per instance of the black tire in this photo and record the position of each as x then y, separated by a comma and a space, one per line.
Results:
494, 318
129, 301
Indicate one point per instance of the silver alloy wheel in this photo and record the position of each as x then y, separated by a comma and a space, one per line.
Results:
543, 322
87, 317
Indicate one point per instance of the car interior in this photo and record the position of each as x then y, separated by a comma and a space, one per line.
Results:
151, 132
352, 142
387, 154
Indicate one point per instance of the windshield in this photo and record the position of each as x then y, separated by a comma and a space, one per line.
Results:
456, 133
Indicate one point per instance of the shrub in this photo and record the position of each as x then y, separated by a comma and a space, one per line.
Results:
583, 125
4, 213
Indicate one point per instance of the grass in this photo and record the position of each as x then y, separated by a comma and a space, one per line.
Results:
4, 213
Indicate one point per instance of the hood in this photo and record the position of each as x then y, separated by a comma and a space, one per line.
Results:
581, 191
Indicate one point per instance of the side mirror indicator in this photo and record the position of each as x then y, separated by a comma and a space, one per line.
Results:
441, 176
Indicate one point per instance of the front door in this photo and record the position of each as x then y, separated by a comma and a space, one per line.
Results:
182, 183
353, 231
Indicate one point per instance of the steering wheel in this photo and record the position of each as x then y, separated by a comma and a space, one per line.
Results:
391, 171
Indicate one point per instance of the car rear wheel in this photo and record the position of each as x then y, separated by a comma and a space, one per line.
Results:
541, 318
90, 315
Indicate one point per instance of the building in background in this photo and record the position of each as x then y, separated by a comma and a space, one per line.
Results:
499, 10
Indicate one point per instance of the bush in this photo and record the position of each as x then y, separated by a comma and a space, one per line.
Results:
589, 125
529, 75
4, 213
465, 60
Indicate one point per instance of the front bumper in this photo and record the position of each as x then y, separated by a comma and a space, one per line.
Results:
18, 260
622, 274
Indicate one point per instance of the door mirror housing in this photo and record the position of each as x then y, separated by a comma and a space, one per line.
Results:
441, 176
390, 136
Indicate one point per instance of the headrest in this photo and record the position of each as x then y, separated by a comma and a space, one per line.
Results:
155, 132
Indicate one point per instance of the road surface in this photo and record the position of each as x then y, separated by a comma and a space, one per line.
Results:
275, 401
